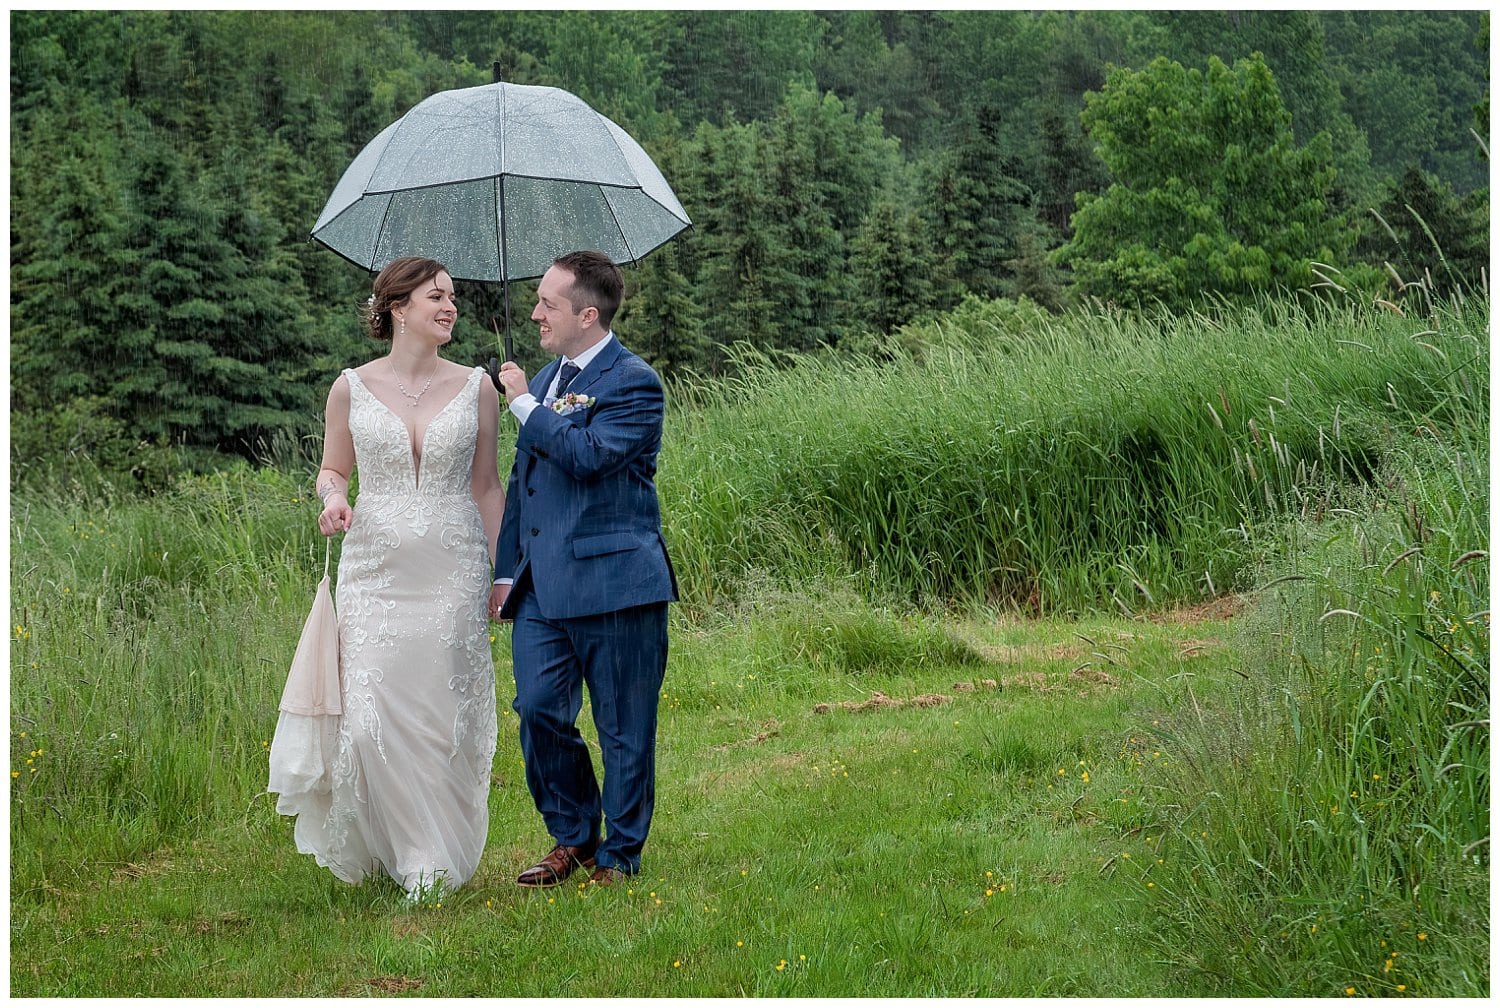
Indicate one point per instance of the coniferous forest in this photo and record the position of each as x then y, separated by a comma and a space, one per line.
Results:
847, 173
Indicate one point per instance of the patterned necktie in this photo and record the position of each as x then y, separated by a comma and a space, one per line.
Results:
565, 375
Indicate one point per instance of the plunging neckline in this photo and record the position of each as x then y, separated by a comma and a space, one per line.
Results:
414, 455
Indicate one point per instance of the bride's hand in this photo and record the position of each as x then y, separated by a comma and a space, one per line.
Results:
338, 516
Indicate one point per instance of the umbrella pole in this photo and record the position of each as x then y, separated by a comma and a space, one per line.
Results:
510, 351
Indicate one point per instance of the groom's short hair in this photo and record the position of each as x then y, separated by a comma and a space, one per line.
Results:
596, 281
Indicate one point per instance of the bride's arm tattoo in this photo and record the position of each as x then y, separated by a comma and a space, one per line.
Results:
328, 487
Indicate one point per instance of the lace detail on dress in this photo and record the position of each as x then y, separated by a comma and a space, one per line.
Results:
418, 677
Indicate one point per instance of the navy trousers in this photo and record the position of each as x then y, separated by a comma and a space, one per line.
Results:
622, 658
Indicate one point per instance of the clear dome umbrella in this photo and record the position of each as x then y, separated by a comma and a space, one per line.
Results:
496, 182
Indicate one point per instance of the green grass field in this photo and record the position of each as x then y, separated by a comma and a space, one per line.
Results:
963, 816
1152, 660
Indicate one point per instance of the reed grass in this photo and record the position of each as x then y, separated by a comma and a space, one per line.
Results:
1333, 829
1094, 459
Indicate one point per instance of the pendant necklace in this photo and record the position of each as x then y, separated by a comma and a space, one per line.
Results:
402, 388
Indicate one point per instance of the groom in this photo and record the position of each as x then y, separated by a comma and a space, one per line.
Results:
582, 571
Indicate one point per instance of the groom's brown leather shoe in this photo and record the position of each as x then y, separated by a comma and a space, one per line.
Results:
554, 869
607, 876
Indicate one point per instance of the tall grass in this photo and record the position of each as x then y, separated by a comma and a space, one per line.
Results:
148, 645
1096, 459
1334, 827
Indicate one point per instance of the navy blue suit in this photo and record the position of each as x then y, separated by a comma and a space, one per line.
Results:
582, 539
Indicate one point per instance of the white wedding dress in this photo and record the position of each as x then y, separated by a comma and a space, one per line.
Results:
416, 739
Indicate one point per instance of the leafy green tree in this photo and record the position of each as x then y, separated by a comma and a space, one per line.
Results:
1411, 81
1481, 107
1293, 46
1211, 193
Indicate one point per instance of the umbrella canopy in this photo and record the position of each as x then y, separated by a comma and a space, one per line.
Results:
496, 182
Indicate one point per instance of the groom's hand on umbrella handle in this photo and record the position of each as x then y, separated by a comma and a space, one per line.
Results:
512, 380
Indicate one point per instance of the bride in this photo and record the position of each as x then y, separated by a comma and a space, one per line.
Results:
416, 739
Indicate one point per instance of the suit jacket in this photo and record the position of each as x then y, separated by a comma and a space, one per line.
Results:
582, 519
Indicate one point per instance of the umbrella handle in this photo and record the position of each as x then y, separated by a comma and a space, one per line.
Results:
493, 370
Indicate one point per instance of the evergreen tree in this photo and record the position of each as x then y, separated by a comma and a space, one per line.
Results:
252, 116
209, 349
67, 278
612, 61
67, 266
893, 261
659, 318
738, 238
979, 209
1068, 166
874, 75
827, 162
728, 66
1032, 274
1425, 231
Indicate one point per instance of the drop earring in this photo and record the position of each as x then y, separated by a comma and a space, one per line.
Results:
403, 326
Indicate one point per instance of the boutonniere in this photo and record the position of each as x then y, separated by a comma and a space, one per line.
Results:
572, 401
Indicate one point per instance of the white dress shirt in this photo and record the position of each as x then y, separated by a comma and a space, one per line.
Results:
524, 403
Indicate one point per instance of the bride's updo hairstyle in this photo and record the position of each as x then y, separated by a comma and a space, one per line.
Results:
392, 289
